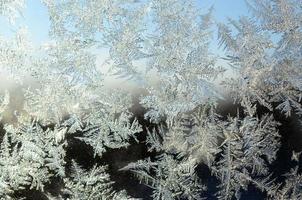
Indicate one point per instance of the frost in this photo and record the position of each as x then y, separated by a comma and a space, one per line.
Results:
94, 184
171, 179
11, 9
245, 152
28, 155
4, 101
269, 69
164, 47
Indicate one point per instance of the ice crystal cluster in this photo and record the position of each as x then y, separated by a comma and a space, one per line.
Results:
163, 46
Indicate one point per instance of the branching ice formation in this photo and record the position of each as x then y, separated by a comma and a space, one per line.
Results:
163, 45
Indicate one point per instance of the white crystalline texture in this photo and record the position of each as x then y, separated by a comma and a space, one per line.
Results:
11, 9
59, 103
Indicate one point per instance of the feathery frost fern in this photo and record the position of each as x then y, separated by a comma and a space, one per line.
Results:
164, 47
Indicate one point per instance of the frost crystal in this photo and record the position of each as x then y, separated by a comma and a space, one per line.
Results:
64, 138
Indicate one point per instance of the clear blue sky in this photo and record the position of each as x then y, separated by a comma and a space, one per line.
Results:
35, 16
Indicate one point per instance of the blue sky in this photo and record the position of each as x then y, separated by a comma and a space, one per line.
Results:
225, 8
36, 19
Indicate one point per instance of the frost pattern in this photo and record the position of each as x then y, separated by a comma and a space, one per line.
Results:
65, 100
94, 184
11, 9
171, 179
270, 70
